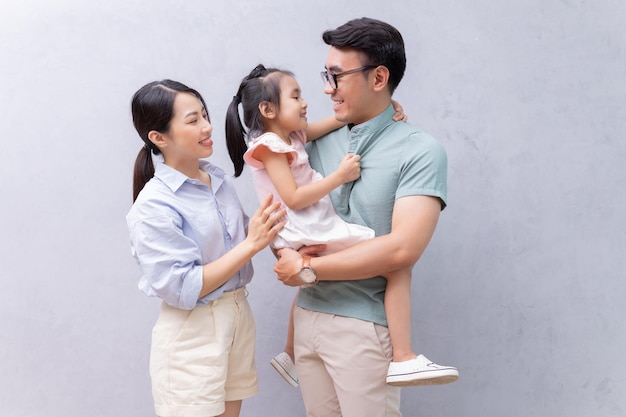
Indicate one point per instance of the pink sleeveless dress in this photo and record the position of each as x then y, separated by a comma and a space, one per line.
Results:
317, 223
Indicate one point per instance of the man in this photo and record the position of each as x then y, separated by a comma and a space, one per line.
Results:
342, 344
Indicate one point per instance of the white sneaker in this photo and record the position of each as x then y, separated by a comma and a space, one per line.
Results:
420, 371
286, 368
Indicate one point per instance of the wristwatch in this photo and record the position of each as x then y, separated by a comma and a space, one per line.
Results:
307, 273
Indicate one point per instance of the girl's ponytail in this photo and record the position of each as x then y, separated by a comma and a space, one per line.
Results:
235, 134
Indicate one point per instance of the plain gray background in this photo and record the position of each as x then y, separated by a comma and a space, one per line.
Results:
522, 286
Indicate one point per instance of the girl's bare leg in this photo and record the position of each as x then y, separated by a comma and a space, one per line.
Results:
233, 408
398, 310
289, 341
284, 362
406, 367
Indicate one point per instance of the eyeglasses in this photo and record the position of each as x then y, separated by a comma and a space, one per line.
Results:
331, 78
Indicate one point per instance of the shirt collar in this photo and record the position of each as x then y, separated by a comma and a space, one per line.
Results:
375, 124
174, 179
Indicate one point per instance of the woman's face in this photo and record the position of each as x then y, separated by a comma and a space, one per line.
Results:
189, 135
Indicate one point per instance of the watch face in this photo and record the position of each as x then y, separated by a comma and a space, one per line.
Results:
307, 275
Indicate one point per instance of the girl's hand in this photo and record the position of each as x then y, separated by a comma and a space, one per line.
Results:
349, 168
265, 223
399, 115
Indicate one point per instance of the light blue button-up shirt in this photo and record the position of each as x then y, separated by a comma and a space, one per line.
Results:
179, 224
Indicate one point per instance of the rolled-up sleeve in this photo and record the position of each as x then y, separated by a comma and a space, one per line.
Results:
170, 261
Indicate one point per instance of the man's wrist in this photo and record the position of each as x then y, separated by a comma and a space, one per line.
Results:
307, 273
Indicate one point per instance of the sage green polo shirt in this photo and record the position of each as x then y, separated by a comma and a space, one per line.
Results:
397, 160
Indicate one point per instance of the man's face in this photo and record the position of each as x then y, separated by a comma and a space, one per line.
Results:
350, 99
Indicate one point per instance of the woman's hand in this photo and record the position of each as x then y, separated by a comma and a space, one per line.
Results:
265, 223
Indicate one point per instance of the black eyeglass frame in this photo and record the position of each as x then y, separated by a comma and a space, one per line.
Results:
332, 79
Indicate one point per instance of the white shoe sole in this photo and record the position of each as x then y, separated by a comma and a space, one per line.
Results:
445, 376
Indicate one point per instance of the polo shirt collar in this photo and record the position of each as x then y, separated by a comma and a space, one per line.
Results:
375, 124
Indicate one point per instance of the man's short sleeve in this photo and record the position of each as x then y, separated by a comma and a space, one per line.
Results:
423, 170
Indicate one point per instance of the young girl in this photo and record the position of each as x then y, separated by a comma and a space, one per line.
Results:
275, 115
188, 235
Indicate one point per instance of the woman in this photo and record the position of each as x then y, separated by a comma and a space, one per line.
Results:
188, 234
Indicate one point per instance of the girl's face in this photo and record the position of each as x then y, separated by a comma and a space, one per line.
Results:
292, 113
189, 135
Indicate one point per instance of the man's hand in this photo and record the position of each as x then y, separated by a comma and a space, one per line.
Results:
289, 263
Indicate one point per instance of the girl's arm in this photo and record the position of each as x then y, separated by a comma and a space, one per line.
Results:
318, 129
277, 166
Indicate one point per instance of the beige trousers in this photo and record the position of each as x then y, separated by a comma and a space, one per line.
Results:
342, 364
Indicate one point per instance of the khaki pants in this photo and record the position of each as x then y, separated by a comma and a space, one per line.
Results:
342, 364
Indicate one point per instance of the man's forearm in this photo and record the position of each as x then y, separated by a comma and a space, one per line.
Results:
367, 259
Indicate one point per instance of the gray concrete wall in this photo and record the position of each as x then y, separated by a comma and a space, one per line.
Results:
522, 287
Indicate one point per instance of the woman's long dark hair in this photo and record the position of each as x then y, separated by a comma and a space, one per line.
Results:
254, 89
152, 108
